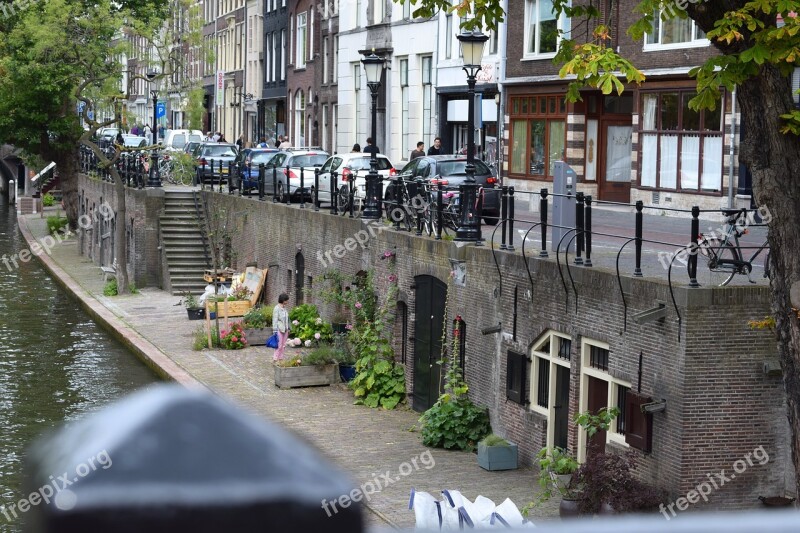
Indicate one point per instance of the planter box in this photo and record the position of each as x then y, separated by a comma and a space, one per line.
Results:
229, 309
257, 337
306, 376
497, 457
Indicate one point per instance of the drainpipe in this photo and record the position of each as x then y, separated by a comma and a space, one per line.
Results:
501, 78
732, 148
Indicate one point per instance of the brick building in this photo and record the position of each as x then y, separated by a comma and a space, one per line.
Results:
303, 61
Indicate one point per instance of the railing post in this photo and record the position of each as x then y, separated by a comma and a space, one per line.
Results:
288, 174
302, 188
334, 193
637, 271
315, 199
587, 224
543, 220
398, 187
261, 177
352, 199
230, 179
503, 215
439, 216
510, 245
693, 248
220, 176
578, 228
274, 184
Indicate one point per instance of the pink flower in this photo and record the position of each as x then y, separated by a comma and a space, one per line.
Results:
235, 339
358, 305
348, 326
295, 322
392, 278
317, 336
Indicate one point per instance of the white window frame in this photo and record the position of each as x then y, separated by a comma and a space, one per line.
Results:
335, 75
300, 50
693, 42
404, 106
448, 36
378, 9
325, 127
583, 401
357, 100
311, 34
554, 360
561, 25
291, 37
283, 54
325, 59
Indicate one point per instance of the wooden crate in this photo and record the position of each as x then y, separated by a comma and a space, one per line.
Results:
306, 376
228, 309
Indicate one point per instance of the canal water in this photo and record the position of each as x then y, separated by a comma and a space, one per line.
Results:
56, 364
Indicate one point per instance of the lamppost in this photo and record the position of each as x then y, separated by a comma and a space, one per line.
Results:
154, 178
472, 43
373, 66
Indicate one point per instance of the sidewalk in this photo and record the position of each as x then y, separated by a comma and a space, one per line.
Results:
369, 444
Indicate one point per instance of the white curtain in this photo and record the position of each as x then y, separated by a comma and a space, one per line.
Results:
618, 153
690, 161
649, 151
649, 106
669, 162
712, 164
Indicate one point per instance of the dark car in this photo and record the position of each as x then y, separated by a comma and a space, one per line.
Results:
247, 163
452, 169
214, 158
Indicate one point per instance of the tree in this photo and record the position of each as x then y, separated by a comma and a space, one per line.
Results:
757, 53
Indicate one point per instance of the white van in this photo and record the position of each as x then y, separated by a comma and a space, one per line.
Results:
176, 139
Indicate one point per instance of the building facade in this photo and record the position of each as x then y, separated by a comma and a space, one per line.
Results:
272, 105
328, 75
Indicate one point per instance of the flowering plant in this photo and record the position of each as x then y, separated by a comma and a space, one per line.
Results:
241, 292
234, 338
388, 254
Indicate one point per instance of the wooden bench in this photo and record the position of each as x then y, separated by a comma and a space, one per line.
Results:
108, 271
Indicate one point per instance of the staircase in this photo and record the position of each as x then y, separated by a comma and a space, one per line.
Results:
184, 246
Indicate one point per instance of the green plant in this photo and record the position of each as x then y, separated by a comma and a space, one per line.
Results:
308, 326
132, 288
345, 354
553, 463
234, 338
494, 440
111, 288
258, 317
241, 292
190, 301
55, 224
325, 354
557, 461
200, 340
379, 380
48, 200
594, 423
448, 237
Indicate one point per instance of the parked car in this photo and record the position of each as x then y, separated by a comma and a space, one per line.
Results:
452, 169
133, 141
351, 167
247, 163
210, 155
191, 146
106, 136
175, 140
287, 166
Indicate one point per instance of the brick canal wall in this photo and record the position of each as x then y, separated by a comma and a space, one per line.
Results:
720, 404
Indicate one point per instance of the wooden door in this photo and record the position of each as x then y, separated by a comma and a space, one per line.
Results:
598, 398
614, 168
431, 294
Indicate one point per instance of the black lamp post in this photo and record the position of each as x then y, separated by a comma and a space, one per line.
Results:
472, 43
154, 178
373, 65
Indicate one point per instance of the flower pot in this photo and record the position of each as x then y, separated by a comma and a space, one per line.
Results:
257, 336
562, 480
196, 314
347, 372
497, 457
568, 508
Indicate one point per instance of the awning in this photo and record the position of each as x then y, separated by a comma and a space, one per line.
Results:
42, 172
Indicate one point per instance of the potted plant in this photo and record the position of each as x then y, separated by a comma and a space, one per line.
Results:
345, 356
312, 368
496, 453
556, 471
233, 339
193, 308
257, 324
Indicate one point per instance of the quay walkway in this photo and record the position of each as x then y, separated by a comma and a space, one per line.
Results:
366, 443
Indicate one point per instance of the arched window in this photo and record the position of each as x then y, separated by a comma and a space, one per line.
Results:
300, 119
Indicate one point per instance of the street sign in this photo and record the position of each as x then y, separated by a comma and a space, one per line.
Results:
161, 109
81, 105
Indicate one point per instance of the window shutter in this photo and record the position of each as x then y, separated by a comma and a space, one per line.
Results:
638, 425
515, 377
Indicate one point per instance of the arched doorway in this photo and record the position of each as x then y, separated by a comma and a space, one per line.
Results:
299, 277
431, 294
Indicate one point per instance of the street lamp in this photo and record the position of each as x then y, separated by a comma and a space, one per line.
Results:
472, 43
373, 66
154, 178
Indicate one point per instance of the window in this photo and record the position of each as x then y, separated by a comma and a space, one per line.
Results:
538, 134
492, 42
515, 377
300, 47
550, 384
311, 34
325, 60
335, 76
357, 102
604, 389
541, 28
462, 340
291, 30
401, 329
448, 37
358, 13
427, 97
325, 127
686, 145
406, 10
377, 11
674, 33
283, 55
404, 122
299, 118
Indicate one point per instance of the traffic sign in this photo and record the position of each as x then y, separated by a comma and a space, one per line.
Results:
161, 109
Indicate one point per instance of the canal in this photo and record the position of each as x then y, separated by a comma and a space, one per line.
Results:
56, 364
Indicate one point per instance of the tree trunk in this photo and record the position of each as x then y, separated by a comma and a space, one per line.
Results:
120, 240
67, 167
774, 160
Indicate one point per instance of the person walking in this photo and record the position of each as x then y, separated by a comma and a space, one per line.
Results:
279, 141
370, 148
419, 152
281, 325
436, 149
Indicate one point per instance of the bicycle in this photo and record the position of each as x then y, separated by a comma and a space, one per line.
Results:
724, 257
406, 205
451, 208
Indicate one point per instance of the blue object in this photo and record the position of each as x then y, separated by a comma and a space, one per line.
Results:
161, 109
272, 342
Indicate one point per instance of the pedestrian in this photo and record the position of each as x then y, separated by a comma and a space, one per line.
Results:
135, 130
216, 137
221, 138
356, 149
419, 152
240, 142
370, 148
148, 133
209, 137
281, 325
279, 141
120, 140
285, 144
436, 149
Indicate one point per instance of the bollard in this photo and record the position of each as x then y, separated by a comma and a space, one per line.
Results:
510, 219
693, 248
543, 221
230, 179
578, 228
261, 177
261, 478
316, 189
503, 215
302, 188
639, 223
288, 173
275, 184
587, 225
334, 193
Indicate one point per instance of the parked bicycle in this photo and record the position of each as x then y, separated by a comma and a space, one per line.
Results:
724, 256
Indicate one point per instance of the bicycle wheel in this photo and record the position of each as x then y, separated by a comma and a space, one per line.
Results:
714, 265
343, 200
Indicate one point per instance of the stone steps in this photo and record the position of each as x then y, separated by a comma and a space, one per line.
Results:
182, 239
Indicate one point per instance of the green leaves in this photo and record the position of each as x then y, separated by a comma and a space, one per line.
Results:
457, 424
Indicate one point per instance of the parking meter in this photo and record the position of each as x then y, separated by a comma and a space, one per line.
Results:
563, 206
